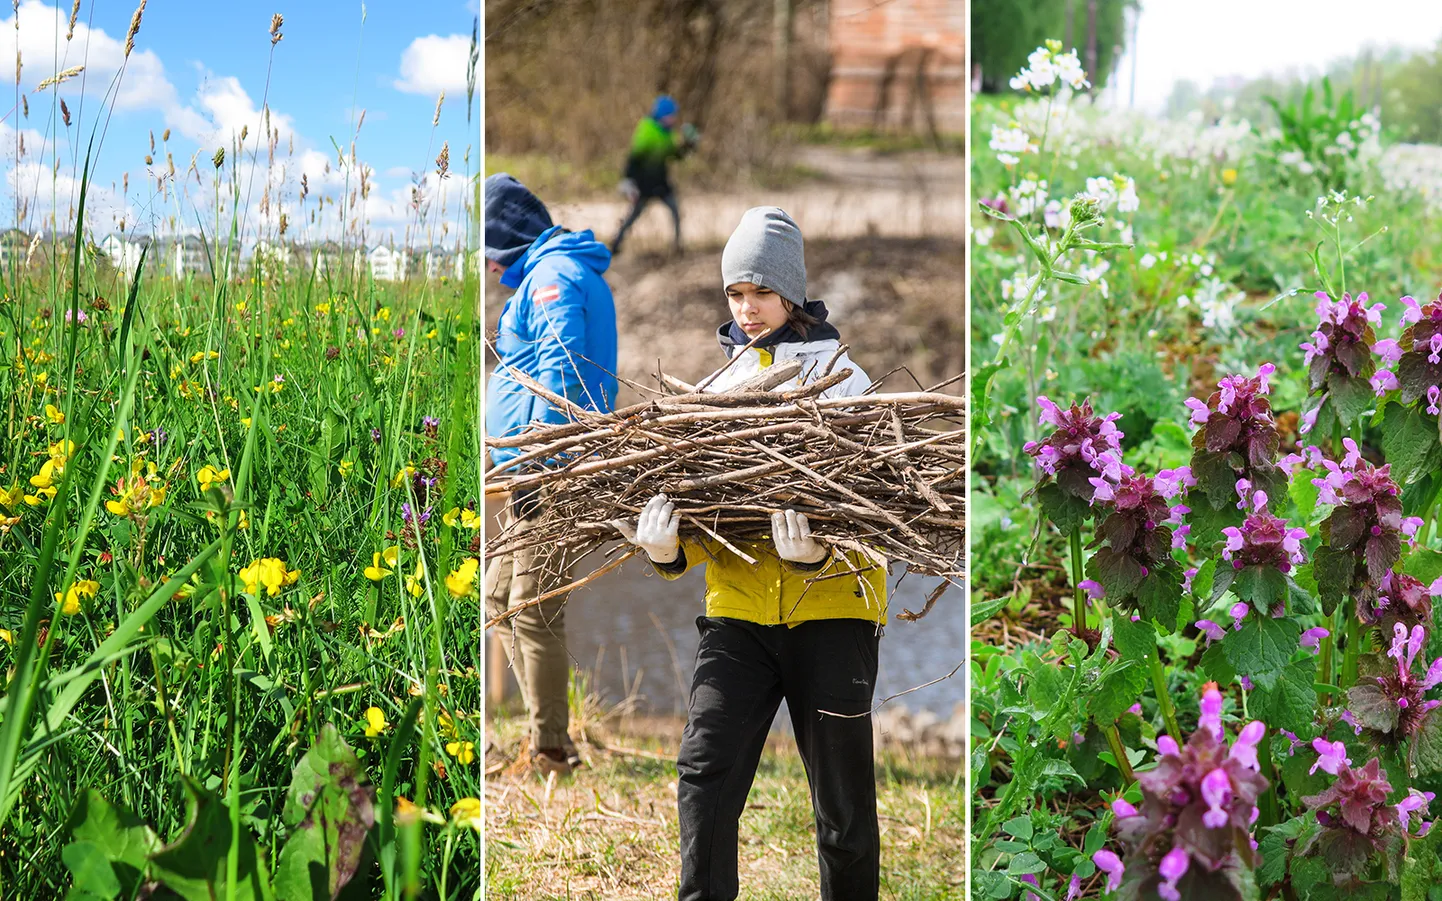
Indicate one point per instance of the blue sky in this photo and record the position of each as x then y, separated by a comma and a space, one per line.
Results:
200, 70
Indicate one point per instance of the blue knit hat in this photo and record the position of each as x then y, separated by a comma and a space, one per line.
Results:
664, 106
514, 219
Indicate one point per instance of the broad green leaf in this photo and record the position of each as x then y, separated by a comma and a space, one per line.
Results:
330, 807
1262, 648
90, 871
1410, 442
194, 865
1289, 704
1264, 587
120, 835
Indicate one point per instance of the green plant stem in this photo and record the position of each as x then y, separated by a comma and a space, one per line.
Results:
1270, 815
1079, 609
1164, 698
1353, 648
1324, 662
1119, 751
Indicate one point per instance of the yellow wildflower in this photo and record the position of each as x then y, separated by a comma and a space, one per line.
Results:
49, 472
1229, 177
345, 468
8, 636
40, 497
375, 722
42, 378
270, 572
384, 314
467, 813
209, 475
61, 451
382, 564
416, 584
11, 496
462, 582
463, 751
69, 601
405, 473
323, 309
245, 421
54, 415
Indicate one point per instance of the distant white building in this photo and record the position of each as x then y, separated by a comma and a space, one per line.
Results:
124, 254
188, 257
272, 257
442, 263
387, 264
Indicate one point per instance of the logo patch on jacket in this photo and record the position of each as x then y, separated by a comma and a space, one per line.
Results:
548, 294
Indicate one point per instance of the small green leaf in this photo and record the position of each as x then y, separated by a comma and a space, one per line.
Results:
330, 806
1289, 704
194, 865
1018, 827
90, 868
120, 835
1262, 648
1264, 587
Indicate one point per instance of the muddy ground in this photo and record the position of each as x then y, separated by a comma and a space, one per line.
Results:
896, 301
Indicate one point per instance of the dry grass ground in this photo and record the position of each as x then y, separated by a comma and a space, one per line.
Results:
610, 831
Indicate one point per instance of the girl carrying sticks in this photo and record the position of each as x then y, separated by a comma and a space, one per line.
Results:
800, 623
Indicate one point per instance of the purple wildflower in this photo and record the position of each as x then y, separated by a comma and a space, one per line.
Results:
1198, 806
1237, 438
1419, 363
1357, 822
1311, 639
1264, 540
1081, 446
1393, 707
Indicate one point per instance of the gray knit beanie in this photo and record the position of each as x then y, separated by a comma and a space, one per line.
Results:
766, 249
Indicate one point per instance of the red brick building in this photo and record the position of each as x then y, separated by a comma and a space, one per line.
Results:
898, 64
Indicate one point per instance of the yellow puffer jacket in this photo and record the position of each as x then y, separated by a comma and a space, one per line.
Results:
774, 591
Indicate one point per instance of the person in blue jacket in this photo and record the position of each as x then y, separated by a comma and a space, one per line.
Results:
558, 328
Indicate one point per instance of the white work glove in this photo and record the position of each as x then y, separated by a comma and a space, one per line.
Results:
657, 531
791, 534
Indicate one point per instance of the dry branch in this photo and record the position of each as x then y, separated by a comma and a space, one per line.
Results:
883, 472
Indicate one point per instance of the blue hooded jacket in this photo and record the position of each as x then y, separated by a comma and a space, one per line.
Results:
559, 328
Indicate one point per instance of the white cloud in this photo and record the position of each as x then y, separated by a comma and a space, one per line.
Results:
433, 64
44, 52
221, 109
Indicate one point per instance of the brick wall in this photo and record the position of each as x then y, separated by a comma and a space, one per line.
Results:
878, 46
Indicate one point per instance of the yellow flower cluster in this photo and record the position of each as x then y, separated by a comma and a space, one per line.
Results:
469, 519
462, 582
270, 572
383, 564
209, 475
140, 490
45, 482
69, 600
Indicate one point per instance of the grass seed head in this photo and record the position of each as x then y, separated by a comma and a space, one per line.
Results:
276, 21
134, 28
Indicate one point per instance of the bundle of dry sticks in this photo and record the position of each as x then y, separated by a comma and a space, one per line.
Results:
883, 474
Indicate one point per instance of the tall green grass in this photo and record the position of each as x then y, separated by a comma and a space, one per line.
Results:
176, 692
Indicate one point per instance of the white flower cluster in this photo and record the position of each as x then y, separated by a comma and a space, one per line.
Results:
1047, 66
1414, 169
1028, 195
1010, 143
1118, 191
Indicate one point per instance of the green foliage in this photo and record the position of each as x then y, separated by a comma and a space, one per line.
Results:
1003, 32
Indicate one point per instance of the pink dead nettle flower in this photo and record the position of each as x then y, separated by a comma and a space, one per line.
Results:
1310, 458
1198, 807
1340, 352
1366, 521
1388, 351
1210, 629
1312, 638
1073, 889
1332, 756
1419, 353
1383, 381
1187, 576
1413, 313
1433, 393
1393, 707
1400, 599
1093, 589
1263, 539
1172, 868
1414, 801
1237, 438
1110, 864
1082, 445
1354, 814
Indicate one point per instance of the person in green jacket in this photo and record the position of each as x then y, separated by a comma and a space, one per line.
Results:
799, 621
654, 144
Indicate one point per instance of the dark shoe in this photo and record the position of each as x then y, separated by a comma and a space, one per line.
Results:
557, 760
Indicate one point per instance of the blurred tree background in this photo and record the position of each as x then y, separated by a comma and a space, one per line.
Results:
1005, 31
